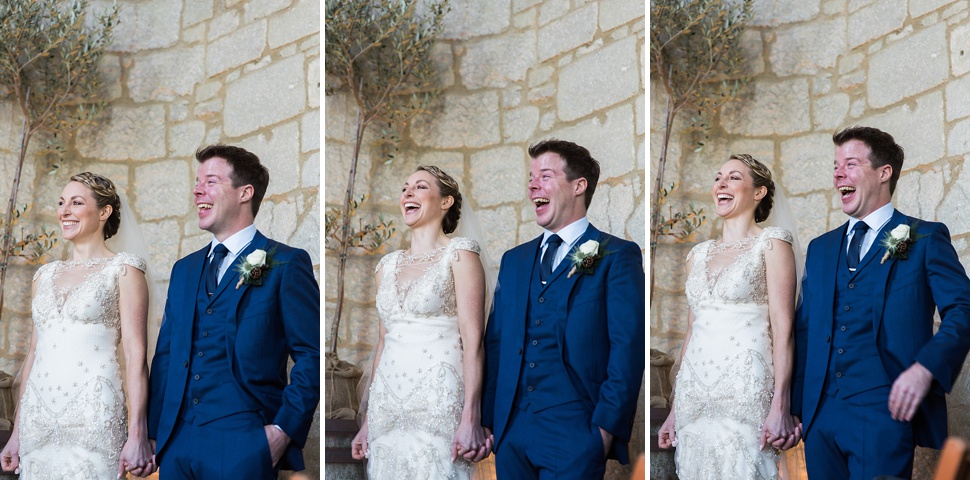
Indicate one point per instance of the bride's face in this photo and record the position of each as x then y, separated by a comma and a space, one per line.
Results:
421, 201
734, 192
78, 213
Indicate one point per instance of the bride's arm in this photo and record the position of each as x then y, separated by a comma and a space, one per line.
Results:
10, 456
469, 278
358, 446
133, 309
779, 428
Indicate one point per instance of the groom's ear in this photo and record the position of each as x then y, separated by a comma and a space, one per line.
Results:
581, 185
246, 194
886, 174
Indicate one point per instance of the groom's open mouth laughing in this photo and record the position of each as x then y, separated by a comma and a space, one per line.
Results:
540, 203
203, 207
846, 192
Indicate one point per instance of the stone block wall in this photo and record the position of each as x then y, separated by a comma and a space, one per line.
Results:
514, 72
819, 66
182, 74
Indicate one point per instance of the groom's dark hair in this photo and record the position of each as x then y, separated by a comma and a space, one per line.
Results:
246, 169
883, 147
579, 163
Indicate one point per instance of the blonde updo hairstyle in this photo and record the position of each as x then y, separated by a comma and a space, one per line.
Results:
449, 188
105, 194
761, 177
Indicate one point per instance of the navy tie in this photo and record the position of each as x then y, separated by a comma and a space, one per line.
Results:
855, 246
545, 267
212, 270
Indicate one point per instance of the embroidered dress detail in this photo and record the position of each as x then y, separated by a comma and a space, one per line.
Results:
417, 394
726, 380
73, 416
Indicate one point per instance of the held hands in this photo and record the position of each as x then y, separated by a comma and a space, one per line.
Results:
781, 430
471, 442
908, 392
667, 437
137, 457
358, 446
10, 456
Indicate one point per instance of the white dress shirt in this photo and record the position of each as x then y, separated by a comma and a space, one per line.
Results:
235, 244
876, 220
570, 235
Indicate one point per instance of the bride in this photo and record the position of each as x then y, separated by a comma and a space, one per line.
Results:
424, 413
73, 421
731, 409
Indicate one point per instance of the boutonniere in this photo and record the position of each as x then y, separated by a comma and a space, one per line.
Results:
898, 241
252, 268
586, 257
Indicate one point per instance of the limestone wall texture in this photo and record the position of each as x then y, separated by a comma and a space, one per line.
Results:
514, 72
182, 74
819, 66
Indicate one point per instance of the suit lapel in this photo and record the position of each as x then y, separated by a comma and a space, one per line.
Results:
525, 260
883, 270
190, 290
235, 294
569, 283
833, 242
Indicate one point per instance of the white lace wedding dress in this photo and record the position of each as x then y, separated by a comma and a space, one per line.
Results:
73, 417
417, 393
725, 383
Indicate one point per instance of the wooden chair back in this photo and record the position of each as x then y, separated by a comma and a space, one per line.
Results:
954, 461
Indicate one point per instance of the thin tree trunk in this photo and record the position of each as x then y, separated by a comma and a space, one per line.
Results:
655, 214
11, 208
345, 232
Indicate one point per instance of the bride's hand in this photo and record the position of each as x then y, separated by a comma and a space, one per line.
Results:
469, 438
358, 447
10, 456
778, 429
136, 457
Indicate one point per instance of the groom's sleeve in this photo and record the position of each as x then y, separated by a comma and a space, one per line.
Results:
158, 378
493, 342
944, 354
299, 300
625, 317
800, 353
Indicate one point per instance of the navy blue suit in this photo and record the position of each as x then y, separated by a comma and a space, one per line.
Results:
596, 326
889, 307
258, 327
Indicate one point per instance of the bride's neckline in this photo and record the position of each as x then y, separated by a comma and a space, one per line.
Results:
89, 261
412, 259
720, 245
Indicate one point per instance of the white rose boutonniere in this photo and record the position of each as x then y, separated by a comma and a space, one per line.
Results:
898, 241
586, 257
252, 268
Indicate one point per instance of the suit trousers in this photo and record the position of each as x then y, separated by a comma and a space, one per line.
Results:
231, 447
559, 442
856, 438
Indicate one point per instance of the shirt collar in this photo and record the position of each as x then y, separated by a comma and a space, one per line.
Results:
877, 219
570, 233
237, 242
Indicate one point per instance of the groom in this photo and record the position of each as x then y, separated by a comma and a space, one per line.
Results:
870, 375
220, 405
564, 344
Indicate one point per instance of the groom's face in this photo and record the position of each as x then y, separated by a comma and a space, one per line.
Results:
220, 205
558, 201
862, 187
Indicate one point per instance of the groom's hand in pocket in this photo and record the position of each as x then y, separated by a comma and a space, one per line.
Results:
278, 440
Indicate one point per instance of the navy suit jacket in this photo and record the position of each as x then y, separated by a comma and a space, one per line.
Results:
907, 293
601, 336
267, 324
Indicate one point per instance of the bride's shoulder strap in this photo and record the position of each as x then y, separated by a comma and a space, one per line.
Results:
386, 259
43, 269
778, 233
130, 259
464, 243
